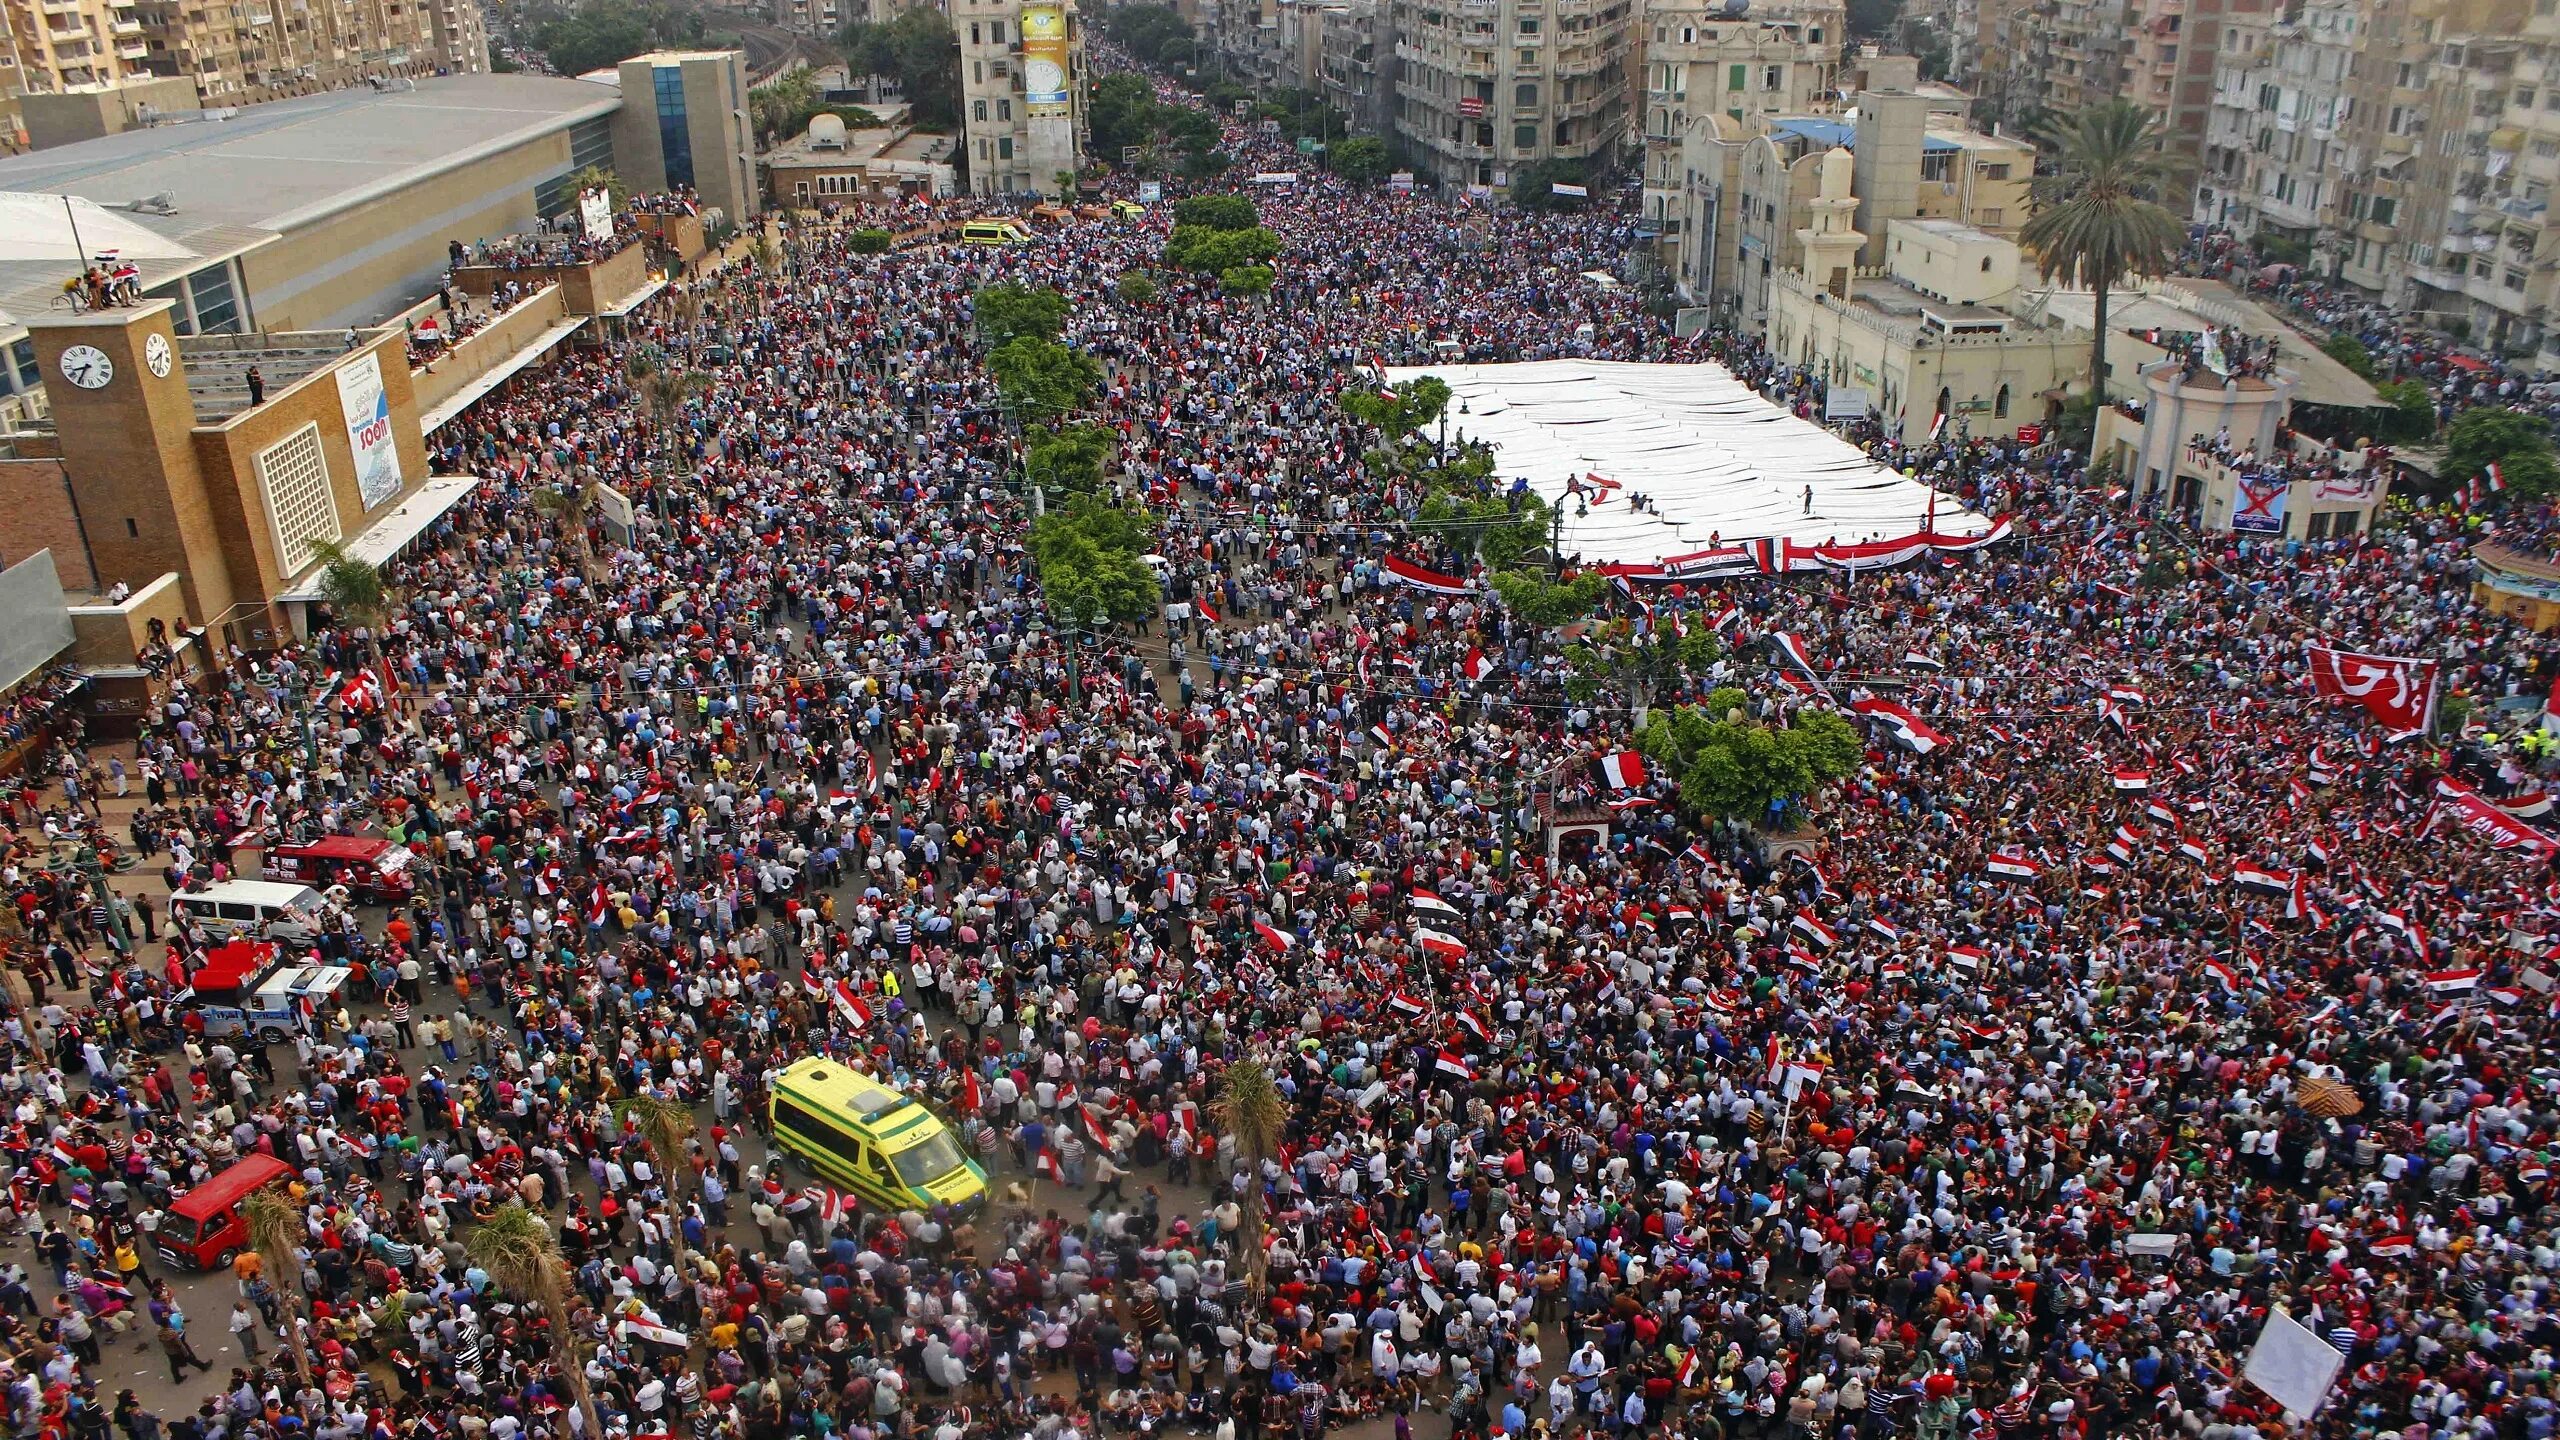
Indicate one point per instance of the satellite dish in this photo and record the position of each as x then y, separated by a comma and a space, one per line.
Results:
1735, 9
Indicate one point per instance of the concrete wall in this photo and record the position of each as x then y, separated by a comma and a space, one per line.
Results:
61, 119
1892, 130
104, 634
228, 453
487, 349
1848, 345
367, 263
586, 289
36, 513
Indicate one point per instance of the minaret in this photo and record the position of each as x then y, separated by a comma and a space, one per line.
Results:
1832, 242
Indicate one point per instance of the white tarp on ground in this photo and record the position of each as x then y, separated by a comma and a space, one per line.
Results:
1718, 464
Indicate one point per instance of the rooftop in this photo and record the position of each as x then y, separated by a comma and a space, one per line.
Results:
2187, 304
235, 179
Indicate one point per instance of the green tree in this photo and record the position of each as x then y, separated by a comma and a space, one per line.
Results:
1071, 457
1205, 164
569, 507
1250, 1108
1736, 769
1873, 19
1217, 212
920, 50
2410, 416
2098, 217
666, 1126
868, 241
2349, 351
1533, 186
2517, 443
1042, 380
1247, 280
1090, 557
521, 1257
1550, 603
1121, 111
597, 177
1398, 413
1499, 530
1136, 288
1215, 252
1006, 312
1151, 32
277, 1231
1362, 159
352, 588
594, 37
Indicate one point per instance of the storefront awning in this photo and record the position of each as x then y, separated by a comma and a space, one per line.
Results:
384, 539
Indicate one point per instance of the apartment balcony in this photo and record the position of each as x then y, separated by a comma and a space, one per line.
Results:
2519, 208
126, 27
135, 51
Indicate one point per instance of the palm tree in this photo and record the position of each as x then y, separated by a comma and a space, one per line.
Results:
2098, 217
277, 1231
664, 390
522, 1257
1249, 1106
351, 587
570, 509
666, 1125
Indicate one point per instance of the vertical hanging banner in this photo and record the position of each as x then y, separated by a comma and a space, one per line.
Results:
367, 407
1044, 60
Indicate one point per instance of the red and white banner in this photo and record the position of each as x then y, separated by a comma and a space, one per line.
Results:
2398, 690
2016, 867
2464, 806
1781, 556
1405, 572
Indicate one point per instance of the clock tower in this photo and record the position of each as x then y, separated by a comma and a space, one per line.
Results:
118, 390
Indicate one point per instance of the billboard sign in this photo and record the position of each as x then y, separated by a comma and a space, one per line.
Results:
1044, 60
367, 408
595, 213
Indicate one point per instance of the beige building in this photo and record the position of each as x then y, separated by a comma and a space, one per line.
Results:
1485, 87
1357, 61
2053, 57
831, 162
1713, 83
258, 50
64, 47
1938, 328
683, 123
1021, 93
2220, 450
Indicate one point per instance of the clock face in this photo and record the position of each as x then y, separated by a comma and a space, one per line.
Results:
88, 367
155, 353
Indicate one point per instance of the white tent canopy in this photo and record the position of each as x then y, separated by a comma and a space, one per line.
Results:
39, 227
1716, 463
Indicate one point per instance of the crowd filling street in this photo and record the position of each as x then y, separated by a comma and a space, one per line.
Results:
2010, 1101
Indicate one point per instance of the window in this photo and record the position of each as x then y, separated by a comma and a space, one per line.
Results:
1995, 172
1733, 77
973, 33
816, 1134
978, 111
1524, 137
1774, 77
295, 476
591, 143
1004, 147
1524, 95
2384, 209
675, 134
22, 372
995, 31
1004, 108
2000, 402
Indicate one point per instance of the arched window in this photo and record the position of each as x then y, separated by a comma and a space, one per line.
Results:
2000, 405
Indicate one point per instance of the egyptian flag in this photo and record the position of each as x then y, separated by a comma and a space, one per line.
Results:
1406, 1006
1467, 1020
2392, 1247
1814, 930
2230, 978
1477, 666
1680, 914
1918, 661
1766, 556
2188, 847
2014, 866
1692, 1366
2126, 695
1791, 653
1278, 939
1966, 957
1884, 930
1938, 427
2255, 877
1892, 972
1425, 900
1438, 944
851, 1003
2159, 810
1047, 1165
1405, 572
1901, 723
1624, 770
1453, 1064
2452, 982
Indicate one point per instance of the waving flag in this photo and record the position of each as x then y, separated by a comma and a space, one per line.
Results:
2452, 982
1900, 723
1278, 939
851, 1003
2132, 780
1406, 1006
1966, 957
1477, 666
2014, 866
1884, 929
1426, 900
1453, 1064
1814, 930
1624, 770
1791, 652
2258, 877
1434, 942
1405, 572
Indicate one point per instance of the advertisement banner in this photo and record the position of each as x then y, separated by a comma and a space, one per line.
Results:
1044, 60
367, 407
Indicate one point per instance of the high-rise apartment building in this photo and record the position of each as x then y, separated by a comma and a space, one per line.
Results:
1484, 87
2273, 143
2052, 57
54, 46
255, 50
1021, 93
1358, 63
1714, 77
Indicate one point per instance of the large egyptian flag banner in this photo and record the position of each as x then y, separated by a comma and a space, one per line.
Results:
2398, 690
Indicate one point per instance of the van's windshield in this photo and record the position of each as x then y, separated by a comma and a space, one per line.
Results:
927, 1160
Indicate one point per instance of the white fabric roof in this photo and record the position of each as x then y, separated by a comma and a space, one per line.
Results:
1717, 463
40, 227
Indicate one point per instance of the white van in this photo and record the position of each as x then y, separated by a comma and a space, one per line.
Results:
252, 910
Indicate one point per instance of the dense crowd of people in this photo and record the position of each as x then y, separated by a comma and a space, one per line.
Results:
2011, 1102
